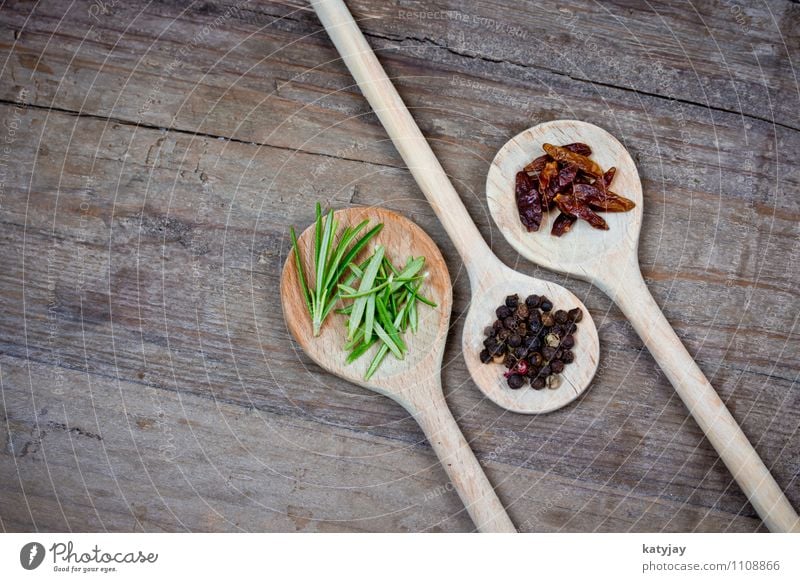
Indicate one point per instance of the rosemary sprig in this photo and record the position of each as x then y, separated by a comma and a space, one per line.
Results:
331, 262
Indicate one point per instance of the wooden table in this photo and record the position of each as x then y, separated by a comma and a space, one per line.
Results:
154, 155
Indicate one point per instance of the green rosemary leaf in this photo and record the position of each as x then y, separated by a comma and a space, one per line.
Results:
391, 267
412, 313
348, 236
322, 261
426, 301
388, 341
376, 361
389, 326
298, 265
317, 233
366, 283
360, 350
356, 248
357, 339
350, 293
369, 318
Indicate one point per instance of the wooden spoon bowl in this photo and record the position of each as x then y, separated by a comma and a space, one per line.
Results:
415, 381
394, 378
490, 290
584, 251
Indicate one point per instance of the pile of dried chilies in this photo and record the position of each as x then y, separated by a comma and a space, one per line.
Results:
567, 179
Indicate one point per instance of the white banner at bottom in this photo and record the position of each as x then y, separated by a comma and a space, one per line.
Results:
378, 557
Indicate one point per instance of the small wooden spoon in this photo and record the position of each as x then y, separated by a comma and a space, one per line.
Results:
609, 259
415, 382
490, 279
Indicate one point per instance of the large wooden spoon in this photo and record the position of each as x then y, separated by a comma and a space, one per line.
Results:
491, 281
414, 382
609, 259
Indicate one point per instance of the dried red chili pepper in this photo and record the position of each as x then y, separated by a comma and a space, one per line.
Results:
569, 204
529, 202
569, 157
566, 176
563, 224
609, 176
537, 165
603, 200
579, 148
548, 180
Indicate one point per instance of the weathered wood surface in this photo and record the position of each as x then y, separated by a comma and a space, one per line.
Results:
154, 155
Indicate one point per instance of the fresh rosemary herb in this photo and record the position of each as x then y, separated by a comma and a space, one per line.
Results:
382, 299
384, 307
331, 262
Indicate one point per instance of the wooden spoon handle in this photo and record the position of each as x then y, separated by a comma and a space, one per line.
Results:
430, 409
407, 137
630, 292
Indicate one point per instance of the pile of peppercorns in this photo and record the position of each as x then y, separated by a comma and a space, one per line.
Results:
532, 341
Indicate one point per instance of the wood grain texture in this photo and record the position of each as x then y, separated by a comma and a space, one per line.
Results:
145, 222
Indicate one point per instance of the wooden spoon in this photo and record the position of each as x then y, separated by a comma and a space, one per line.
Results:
414, 382
491, 281
609, 259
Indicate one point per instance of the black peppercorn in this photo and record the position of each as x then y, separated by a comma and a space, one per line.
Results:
538, 383
548, 353
503, 312
561, 316
489, 331
533, 301
534, 343
547, 320
515, 381
568, 357
545, 305
512, 301
545, 371
514, 341
576, 314
486, 357
557, 366
568, 342
521, 352
510, 322
497, 325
